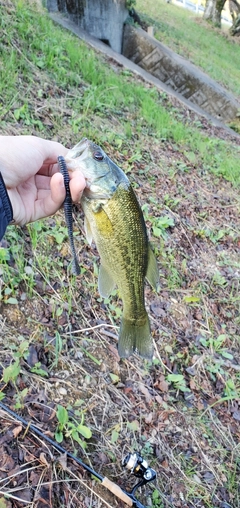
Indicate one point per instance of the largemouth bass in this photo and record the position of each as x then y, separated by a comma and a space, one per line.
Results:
114, 220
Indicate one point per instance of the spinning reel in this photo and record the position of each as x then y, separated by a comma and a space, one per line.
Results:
139, 467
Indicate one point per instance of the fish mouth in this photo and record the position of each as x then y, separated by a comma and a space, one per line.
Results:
75, 159
79, 151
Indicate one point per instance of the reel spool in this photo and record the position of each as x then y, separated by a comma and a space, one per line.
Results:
139, 467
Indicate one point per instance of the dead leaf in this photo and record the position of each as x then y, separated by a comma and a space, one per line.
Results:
159, 399
7, 463
127, 389
32, 357
34, 477
200, 405
149, 418
43, 460
192, 384
161, 384
17, 431
25, 495
114, 351
157, 308
145, 392
11, 434
103, 459
236, 415
62, 460
165, 463
43, 497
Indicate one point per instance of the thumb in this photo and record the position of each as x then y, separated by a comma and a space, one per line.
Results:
58, 191
54, 200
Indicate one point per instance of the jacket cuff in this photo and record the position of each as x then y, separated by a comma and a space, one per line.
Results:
6, 211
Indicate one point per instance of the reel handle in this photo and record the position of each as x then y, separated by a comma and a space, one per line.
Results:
117, 491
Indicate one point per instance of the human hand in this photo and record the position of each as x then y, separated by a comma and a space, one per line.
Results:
30, 172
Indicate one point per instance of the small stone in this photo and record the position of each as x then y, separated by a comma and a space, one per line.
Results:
62, 390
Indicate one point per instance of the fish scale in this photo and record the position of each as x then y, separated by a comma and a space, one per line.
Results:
129, 245
114, 220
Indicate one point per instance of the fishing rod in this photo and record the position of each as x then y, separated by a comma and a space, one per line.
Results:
133, 462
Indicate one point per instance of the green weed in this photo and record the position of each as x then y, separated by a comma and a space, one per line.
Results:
15, 268
11, 373
69, 427
159, 225
178, 381
216, 345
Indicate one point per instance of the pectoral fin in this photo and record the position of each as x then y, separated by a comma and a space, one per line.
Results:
88, 230
152, 274
105, 282
104, 225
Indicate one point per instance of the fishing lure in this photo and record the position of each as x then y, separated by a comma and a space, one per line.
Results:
67, 205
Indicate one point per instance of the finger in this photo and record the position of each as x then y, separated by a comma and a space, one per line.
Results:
48, 203
42, 182
58, 191
53, 200
77, 184
48, 169
50, 151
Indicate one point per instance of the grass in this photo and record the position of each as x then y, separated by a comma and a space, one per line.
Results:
185, 32
58, 337
71, 64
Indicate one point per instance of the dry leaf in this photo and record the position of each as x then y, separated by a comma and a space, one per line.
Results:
145, 392
159, 399
43, 460
192, 384
17, 431
149, 418
62, 460
200, 405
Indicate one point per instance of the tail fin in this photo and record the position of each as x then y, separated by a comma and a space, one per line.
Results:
135, 337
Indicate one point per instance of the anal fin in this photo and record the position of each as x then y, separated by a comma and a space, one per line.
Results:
152, 274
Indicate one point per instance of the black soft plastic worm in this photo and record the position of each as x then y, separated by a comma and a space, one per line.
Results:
68, 212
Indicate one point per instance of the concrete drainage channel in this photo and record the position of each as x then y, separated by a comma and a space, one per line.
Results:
158, 65
179, 74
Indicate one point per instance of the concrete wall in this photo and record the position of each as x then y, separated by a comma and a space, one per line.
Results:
179, 74
103, 19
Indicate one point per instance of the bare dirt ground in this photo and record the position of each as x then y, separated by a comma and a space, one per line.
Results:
129, 404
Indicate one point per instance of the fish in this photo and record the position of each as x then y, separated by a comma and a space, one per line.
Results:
113, 218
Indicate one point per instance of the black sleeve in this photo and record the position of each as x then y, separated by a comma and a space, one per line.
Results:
6, 211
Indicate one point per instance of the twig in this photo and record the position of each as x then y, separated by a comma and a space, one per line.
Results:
90, 329
159, 357
13, 497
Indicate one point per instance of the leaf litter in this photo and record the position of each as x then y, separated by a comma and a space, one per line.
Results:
59, 338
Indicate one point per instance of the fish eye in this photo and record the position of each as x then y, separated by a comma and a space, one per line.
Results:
98, 156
